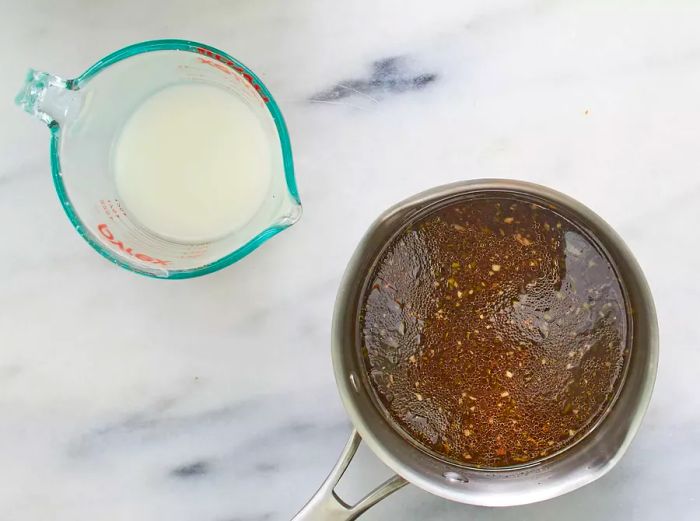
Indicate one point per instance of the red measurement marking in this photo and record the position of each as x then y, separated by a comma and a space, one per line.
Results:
233, 66
107, 234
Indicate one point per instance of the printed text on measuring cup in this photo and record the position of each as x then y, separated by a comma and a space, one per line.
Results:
235, 67
107, 234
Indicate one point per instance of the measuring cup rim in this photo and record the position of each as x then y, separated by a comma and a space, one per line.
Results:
580, 464
270, 103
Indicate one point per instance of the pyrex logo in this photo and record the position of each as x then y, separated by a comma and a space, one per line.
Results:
235, 67
107, 234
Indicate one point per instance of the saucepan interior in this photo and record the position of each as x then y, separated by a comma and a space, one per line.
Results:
583, 462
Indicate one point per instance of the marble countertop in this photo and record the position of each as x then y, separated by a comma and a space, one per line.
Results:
125, 398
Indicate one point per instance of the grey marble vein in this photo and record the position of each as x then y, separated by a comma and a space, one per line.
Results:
391, 75
191, 470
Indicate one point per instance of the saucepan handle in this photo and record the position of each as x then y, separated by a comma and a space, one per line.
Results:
325, 505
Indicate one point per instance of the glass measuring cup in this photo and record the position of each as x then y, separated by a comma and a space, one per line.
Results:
85, 116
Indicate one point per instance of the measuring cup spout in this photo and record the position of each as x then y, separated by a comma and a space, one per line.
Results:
48, 97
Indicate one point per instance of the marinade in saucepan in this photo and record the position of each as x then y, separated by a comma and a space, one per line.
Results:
494, 331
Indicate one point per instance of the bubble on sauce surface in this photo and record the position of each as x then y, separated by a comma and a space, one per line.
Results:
494, 332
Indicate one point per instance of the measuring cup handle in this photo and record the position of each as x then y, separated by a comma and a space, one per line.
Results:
49, 98
325, 505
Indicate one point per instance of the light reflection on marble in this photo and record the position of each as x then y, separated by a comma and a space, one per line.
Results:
213, 399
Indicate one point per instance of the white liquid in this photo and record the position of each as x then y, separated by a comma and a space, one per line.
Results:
192, 163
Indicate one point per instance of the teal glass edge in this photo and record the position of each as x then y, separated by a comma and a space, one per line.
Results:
271, 104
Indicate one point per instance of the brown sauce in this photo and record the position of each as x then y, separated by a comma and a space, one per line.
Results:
494, 332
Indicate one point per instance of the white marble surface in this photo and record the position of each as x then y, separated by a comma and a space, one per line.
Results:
124, 398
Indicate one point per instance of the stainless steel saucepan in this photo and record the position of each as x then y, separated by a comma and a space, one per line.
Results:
583, 462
